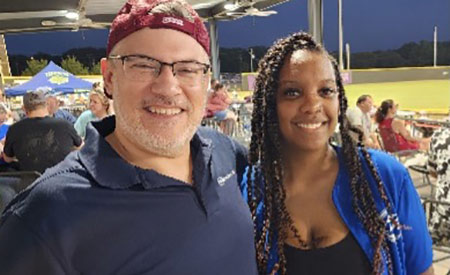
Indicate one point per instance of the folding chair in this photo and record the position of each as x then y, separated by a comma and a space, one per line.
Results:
388, 141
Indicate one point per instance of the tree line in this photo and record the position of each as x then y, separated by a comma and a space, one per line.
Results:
81, 61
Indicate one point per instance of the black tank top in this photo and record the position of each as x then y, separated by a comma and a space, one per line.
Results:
344, 257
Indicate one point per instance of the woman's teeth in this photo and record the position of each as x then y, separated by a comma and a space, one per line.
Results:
309, 125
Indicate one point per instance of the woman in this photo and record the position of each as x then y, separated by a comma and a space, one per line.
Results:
393, 131
99, 108
218, 103
320, 209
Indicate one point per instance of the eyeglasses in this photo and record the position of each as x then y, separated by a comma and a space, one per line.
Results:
143, 68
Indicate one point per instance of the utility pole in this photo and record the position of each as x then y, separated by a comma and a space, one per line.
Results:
341, 36
252, 56
435, 47
347, 51
214, 48
315, 20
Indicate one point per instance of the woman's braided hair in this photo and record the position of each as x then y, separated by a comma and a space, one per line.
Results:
265, 159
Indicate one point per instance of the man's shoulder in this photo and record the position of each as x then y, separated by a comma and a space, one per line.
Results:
219, 140
19, 126
354, 112
52, 190
56, 122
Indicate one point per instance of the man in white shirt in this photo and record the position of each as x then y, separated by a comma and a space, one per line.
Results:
359, 117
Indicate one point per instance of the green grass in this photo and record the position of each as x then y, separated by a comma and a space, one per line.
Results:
427, 95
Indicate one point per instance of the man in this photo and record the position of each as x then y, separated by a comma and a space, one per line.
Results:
39, 141
359, 117
55, 111
148, 193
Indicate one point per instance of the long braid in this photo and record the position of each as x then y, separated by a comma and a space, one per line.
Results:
362, 196
265, 155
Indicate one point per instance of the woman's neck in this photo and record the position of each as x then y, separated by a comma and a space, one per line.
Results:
390, 115
305, 166
100, 115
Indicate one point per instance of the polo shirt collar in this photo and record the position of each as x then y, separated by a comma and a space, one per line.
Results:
110, 170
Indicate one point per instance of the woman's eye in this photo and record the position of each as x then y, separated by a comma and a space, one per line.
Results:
291, 92
327, 92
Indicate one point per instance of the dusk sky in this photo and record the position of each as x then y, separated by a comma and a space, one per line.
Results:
368, 26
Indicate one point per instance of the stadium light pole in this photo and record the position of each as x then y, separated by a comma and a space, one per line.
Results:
315, 19
435, 47
341, 36
347, 53
251, 59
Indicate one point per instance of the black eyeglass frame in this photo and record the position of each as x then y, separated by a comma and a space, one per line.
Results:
124, 57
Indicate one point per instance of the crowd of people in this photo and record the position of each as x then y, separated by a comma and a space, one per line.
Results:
135, 186
47, 133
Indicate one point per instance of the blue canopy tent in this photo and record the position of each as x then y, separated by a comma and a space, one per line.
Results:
52, 78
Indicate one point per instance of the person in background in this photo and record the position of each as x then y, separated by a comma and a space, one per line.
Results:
39, 141
3, 126
319, 208
439, 166
388, 124
54, 109
10, 116
99, 108
150, 192
213, 84
217, 106
4, 166
359, 117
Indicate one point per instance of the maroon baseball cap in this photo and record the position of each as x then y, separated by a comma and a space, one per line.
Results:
137, 14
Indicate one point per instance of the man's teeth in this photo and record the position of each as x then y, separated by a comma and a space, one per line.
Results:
165, 111
309, 125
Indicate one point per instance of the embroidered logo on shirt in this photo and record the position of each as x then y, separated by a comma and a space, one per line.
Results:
221, 180
393, 226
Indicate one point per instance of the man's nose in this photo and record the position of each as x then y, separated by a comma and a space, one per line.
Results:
166, 83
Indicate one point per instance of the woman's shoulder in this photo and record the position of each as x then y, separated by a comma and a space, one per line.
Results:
393, 173
381, 160
385, 160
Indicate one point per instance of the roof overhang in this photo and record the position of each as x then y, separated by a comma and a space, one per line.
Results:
49, 15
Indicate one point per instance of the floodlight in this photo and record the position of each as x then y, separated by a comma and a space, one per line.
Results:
48, 23
73, 15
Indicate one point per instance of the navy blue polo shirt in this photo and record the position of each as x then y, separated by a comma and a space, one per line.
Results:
94, 213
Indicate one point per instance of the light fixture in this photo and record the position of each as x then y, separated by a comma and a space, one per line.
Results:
48, 23
229, 6
73, 15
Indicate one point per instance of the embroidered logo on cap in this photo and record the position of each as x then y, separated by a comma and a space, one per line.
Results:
172, 20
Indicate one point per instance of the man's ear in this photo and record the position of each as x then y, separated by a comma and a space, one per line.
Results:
107, 73
24, 110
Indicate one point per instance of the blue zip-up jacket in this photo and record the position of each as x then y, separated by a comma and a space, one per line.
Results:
411, 247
